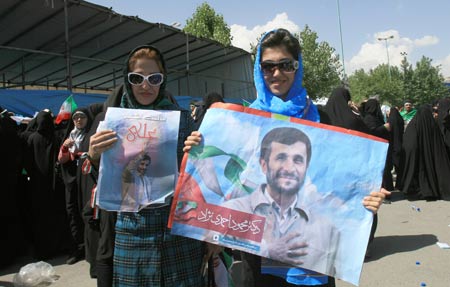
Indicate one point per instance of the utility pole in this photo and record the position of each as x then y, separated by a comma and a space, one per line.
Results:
385, 39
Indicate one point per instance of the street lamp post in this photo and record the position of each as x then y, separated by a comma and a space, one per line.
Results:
385, 39
404, 65
176, 25
342, 43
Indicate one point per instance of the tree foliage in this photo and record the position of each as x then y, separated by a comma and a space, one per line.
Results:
322, 68
421, 85
359, 83
427, 82
380, 82
206, 23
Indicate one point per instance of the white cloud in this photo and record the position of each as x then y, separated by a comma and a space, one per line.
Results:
445, 67
374, 52
243, 36
426, 41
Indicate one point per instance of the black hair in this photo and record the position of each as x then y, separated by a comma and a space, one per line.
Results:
281, 37
146, 157
284, 135
212, 98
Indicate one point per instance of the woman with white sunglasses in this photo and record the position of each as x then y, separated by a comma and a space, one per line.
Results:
138, 245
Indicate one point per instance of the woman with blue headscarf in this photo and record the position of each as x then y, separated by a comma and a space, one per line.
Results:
278, 76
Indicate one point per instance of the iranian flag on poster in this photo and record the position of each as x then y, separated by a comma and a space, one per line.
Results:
66, 110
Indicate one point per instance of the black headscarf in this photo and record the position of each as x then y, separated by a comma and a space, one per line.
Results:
394, 155
42, 143
373, 118
396, 122
372, 107
11, 154
210, 99
71, 124
338, 112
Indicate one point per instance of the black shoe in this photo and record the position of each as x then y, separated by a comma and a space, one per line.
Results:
76, 256
92, 271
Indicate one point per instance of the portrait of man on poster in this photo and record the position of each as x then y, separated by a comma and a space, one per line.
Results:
293, 233
136, 183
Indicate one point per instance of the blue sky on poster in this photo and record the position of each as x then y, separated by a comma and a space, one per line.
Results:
420, 28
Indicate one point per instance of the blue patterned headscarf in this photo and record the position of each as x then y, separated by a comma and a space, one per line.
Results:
297, 103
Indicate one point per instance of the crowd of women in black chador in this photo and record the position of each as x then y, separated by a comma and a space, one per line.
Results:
426, 158
419, 155
11, 155
32, 203
39, 196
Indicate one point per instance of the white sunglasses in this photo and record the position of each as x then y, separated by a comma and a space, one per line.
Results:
137, 79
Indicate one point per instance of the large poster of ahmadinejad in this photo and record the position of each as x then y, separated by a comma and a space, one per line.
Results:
286, 189
141, 168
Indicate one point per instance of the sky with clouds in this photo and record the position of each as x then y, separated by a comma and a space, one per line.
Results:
419, 28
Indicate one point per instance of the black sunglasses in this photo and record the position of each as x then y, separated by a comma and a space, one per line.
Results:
285, 66
155, 79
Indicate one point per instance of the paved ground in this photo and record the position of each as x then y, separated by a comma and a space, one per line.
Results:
76, 275
404, 251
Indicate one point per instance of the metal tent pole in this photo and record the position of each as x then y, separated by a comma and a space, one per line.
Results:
187, 65
68, 60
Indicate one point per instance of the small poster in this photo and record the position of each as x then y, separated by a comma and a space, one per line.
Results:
141, 168
285, 189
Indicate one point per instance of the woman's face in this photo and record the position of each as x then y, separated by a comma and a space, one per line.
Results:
145, 94
278, 82
80, 121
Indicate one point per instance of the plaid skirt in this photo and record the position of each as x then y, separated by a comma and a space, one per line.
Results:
146, 254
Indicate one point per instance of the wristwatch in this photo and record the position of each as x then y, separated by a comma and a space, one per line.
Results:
86, 155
